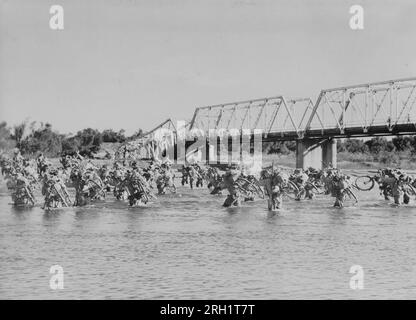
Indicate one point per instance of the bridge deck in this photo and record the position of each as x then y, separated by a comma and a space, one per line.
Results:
400, 129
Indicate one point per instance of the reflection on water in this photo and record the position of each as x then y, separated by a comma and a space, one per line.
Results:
190, 247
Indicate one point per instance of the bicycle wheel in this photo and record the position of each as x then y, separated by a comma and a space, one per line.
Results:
364, 183
291, 191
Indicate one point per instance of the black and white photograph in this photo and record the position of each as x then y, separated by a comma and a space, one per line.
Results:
197, 150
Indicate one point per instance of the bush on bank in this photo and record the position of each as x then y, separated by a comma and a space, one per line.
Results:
391, 152
35, 138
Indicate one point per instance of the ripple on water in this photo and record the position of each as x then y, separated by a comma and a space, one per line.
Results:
190, 247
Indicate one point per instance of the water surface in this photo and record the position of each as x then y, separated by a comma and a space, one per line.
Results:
189, 247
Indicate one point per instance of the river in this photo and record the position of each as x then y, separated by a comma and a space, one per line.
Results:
186, 246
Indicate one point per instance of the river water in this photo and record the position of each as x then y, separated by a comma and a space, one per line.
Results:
187, 246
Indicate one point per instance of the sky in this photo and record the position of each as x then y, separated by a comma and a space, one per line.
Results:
131, 64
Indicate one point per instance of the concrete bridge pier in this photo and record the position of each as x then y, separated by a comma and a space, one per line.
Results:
329, 153
318, 154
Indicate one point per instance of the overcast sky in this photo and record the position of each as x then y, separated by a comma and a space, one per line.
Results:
134, 63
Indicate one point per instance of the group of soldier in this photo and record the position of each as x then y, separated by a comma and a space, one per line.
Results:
397, 184
21, 178
90, 182
135, 184
274, 183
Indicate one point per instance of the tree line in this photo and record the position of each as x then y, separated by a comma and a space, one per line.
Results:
374, 145
34, 138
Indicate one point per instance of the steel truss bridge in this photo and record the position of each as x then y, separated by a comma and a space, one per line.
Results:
378, 108
370, 109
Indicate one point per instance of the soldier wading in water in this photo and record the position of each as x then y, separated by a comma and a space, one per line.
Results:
393, 182
238, 186
339, 185
54, 190
275, 182
88, 184
137, 186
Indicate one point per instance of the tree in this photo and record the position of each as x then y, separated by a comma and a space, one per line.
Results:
352, 146
340, 146
110, 135
70, 145
43, 140
6, 142
402, 143
413, 145
18, 133
89, 141
280, 147
377, 145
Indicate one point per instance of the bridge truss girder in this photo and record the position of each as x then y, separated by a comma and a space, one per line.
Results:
386, 104
273, 115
